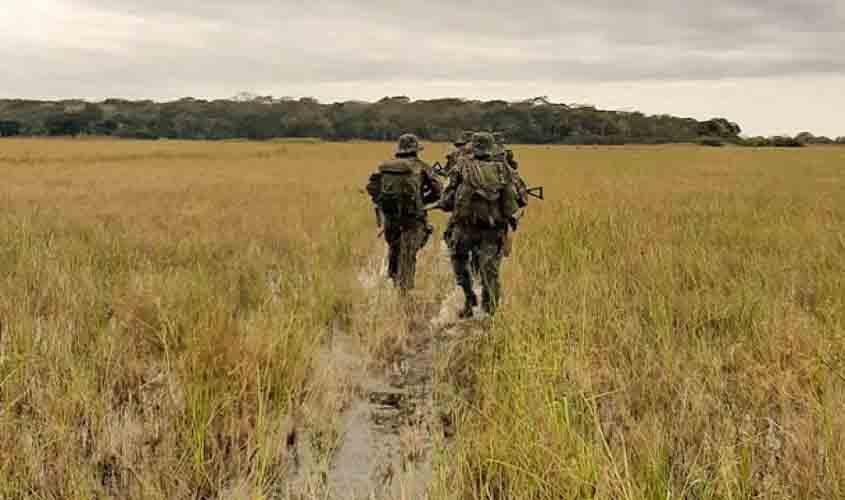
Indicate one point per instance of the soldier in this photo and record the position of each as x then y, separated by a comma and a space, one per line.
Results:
482, 199
502, 153
461, 150
400, 189
505, 155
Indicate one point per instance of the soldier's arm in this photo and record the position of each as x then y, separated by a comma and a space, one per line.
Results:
432, 188
448, 201
521, 188
510, 197
511, 160
451, 159
374, 186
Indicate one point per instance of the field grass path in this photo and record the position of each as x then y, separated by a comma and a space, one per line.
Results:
389, 427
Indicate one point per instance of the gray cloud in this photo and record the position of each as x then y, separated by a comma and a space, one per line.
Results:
214, 48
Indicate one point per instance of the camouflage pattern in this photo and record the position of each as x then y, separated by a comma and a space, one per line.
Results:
455, 156
510, 160
483, 145
499, 147
404, 240
506, 156
474, 244
407, 235
408, 144
484, 246
502, 153
521, 189
463, 139
461, 151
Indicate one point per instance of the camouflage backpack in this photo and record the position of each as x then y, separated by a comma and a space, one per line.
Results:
478, 199
399, 188
521, 189
485, 195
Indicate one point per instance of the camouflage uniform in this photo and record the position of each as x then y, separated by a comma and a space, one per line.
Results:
406, 234
462, 150
505, 155
478, 233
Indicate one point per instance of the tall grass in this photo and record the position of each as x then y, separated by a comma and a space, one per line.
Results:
673, 323
673, 329
161, 308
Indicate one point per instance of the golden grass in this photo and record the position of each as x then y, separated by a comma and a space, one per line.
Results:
673, 326
674, 329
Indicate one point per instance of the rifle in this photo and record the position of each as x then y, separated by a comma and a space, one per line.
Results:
379, 216
379, 220
536, 192
434, 206
439, 169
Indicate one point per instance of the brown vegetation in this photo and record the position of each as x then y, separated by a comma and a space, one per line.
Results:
673, 325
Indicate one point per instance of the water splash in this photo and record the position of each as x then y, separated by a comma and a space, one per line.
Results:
374, 273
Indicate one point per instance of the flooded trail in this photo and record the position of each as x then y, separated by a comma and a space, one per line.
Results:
387, 419
388, 432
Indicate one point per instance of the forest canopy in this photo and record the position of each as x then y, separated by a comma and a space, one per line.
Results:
532, 121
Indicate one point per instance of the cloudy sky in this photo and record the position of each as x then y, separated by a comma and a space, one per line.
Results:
775, 66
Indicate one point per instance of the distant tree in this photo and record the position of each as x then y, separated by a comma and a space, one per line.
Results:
756, 142
105, 127
785, 142
715, 142
536, 120
808, 138
719, 127
805, 138
63, 124
76, 121
840, 140
9, 128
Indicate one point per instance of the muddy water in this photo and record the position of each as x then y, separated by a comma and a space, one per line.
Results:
386, 432
352, 475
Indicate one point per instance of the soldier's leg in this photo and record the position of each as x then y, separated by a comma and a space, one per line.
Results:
448, 233
475, 265
410, 242
392, 236
460, 255
490, 260
425, 236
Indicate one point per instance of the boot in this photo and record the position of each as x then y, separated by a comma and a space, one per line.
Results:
469, 303
488, 303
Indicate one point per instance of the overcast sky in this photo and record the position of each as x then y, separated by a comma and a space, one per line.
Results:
775, 66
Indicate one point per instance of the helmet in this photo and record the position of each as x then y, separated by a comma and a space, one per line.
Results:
482, 144
408, 143
499, 137
463, 138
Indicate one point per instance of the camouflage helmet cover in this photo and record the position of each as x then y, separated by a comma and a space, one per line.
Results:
463, 138
408, 143
482, 144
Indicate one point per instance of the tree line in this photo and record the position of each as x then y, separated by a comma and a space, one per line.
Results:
532, 121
